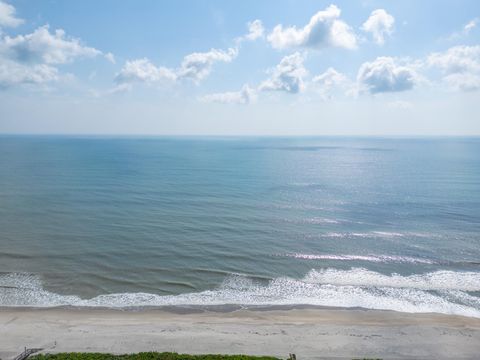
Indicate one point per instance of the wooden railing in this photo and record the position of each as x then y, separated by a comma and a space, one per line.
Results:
26, 353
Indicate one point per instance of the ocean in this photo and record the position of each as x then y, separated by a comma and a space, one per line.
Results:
376, 223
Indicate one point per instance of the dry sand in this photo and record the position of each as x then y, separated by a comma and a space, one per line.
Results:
307, 332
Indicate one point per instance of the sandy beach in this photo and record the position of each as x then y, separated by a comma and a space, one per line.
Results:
307, 332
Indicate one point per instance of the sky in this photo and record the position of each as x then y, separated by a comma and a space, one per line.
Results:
291, 67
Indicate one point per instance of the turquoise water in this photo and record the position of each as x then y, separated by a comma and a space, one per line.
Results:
370, 222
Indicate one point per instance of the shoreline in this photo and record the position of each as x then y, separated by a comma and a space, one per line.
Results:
185, 309
307, 331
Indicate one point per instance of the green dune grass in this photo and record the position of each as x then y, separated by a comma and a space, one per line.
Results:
146, 356
155, 356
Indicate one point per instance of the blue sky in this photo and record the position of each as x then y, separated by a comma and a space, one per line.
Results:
240, 68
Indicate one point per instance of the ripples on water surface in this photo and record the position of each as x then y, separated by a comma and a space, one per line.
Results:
377, 223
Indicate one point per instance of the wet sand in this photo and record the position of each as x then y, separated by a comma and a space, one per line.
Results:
308, 332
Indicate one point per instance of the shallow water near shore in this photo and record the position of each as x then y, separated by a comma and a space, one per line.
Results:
345, 222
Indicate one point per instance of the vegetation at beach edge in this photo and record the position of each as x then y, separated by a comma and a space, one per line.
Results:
146, 356
155, 356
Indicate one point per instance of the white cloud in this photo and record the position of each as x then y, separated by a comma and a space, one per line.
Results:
142, 70
110, 57
386, 74
30, 58
324, 29
12, 73
197, 66
7, 16
466, 30
472, 24
255, 30
246, 95
463, 81
118, 89
330, 80
287, 75
460, 66
379, 24
457, 59
41, 46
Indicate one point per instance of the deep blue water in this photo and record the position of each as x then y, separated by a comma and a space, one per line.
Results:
379, 223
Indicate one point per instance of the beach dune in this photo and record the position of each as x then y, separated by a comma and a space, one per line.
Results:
307, 332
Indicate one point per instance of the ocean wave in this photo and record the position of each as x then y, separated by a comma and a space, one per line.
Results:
438, 280
440, 292
320, 220
369, 258
379, 234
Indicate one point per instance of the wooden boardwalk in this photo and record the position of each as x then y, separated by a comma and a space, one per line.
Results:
26, 353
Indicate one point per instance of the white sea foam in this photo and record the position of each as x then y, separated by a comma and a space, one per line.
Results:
388, 233
377, 234
320, 220
438, 280
369, 258
441, 292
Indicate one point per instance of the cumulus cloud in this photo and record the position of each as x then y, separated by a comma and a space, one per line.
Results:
463, 81
379, 24
8, 16
324, 29
110, 57
287, 75
460, 66
195, 66
142, 70
472, 24
44, 46
457, 59
330, 80
12, 73
386, 74
246, 95
255, 30
198, 65
31, 58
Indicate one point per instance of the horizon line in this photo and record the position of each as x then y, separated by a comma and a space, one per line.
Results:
243, 135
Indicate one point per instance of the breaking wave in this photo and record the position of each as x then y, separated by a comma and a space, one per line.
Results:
447, 292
